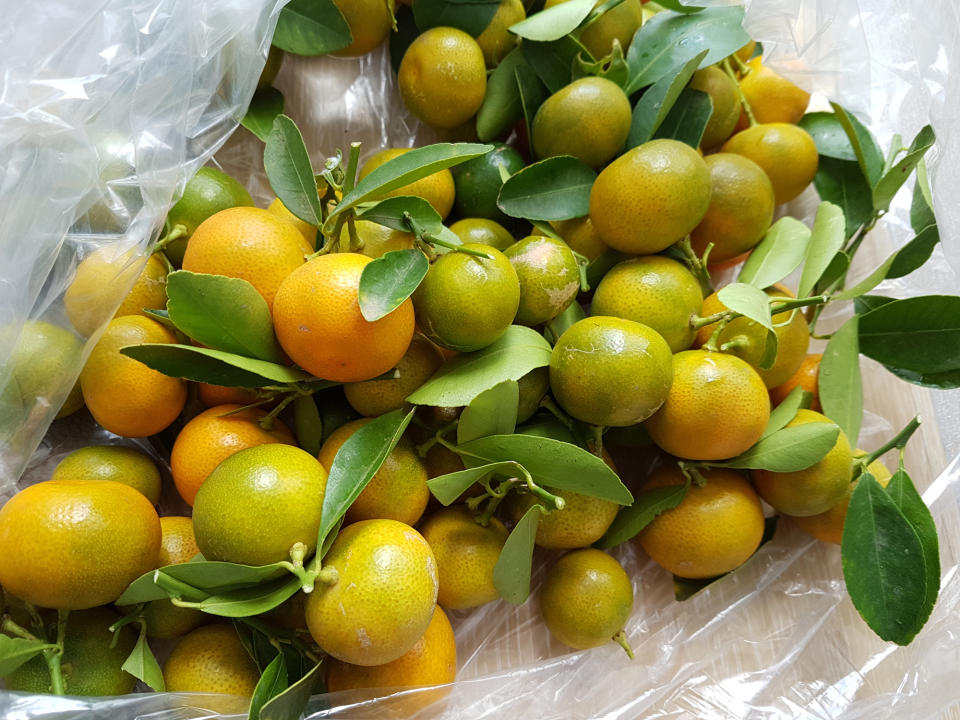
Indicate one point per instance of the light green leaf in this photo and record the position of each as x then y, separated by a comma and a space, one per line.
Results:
826, 240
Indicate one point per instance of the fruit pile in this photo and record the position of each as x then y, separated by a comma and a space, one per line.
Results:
383, 391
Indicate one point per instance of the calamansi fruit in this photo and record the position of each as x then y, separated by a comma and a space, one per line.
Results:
619, 23
213, 395
786, 153
211, 659
121, 464
437, 189
76, 544
332, 339
717, 407
610, 371
589, 119
586, 599
806, 377
478, 182
370, 23
177, 545
376, 240
650, 197
496, 40
772, 97
581, 236
443, 77
726, 104
815, 489
372, 398
42, 356
308, 230
582, 521
124, 395
482, 231
466, 302
258, 503
466, 553
531, 387
549, 278
656, 291
384, 595
713, 530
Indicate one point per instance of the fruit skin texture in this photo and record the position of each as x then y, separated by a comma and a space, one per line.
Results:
213, 436
76, 544
43, 355
90, 666
609, 371
466, 553
125, 465
443, 77
586, 599
656, 291
125, 396
581, 236
772, 97
319, 325
650, 197
549, 278
373, 398
483, 231
437, 189
213, 395
377, 240
384, 597
716, 409
177, 545
582, 521
589, 119
248, 243
816, 489
273, 493
370, 22
726, 104
620, 23
807, 377
478, 183
496, 40
466, 302
308, 231
211, 659
397, 491
786, 153
741, 207
713, 530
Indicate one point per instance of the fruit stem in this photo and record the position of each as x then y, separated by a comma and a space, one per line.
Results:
742, 67
426, 446
738, 342
548, 404
54, 655
350, 180
328, 575
744, 103
176, 232
489, 510
455, 248
711, 344
697, 265
266, 422
9, 626
777, 306
596, 436
621, 639
178, 590
899, 441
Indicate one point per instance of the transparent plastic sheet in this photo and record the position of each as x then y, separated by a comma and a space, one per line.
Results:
778, 638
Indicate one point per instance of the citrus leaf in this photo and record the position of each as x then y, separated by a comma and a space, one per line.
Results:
865, 147
678, 6
652, 107
311, 27
787, 450
828, 135
749, 301
287, 164
532, 93
392, 212
389, 280
14, 652
273, 681
247, 602
835, 270
901, 262
308, 425
511, 574
449, 487
842, 183
143, 665
222, 313
865, 303
634, 518
948, 380
894, 179
565, 320
779, 253
921, 205
518, 351
205, 577
501, 106
492, 412
839, 382
553, 61
471, 17
787, 410
921, 334
555, 22
290, 704
687, 119
883, 564
557, 188
266, 104
826, 240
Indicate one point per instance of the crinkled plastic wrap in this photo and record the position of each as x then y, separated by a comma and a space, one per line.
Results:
778, 638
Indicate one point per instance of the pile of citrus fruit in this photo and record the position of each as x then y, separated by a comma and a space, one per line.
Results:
380, 393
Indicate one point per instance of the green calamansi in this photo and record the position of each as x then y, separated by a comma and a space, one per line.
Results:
549, 278
478, 182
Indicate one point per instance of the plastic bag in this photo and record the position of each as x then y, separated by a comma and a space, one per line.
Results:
778, 638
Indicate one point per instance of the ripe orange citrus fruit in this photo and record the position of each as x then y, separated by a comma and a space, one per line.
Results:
372, 398
370, 23
211, 659
213, 395
496, 40
786, 153
582, 521
177, 545
581, 236
772, 97
726, 104
806, 377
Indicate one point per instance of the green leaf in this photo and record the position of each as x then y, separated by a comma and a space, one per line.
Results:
14, 652
634, 518
532, 93
308, 425
779, 253
652, 108
267, 103
311, 27
613, 67
407, 168
206, 577
601, 265
842, 183
389, 280
555, 22
839, 382
449, 487
921, 205
948, 380
392, 212
222, 313
562, 322
790, 449
679, 7
921, 334
518, 351
835, 270
501, 106
492, 412
883, 564
557, 188
687, 119
290, 704
865, 303
828, 135
901, 262
357, 462
749, 301
552, 463
553, 61
894, 179
143, 665
250, 601
471, 17
511, 574
287, 164
865, 147
826, 240
787, 410
272, 682
212, 366
666, 41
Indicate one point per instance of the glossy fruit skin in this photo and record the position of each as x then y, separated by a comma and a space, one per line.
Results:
437, 189
656, 291
123, 395
90, 665
466, 553
807, 377
248, 243
211, 659
213, 436
273, 493
384, 597
772, 97
726, 104
483, 231
467, 302
582, 521
610, 371
549, 278
397, 491
177, 545
717, 407
786, 153
125, 465
586, 599
650, 197
713, 530
581, 236
443, 77
532, 387
619, 23
496, 40
76, 544
741, 207
332, 339
816, 489
207, 193
370, 23
308, 231
478, 183
373, 398
44, 353
377, 240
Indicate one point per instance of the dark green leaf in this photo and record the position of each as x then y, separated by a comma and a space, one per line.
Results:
406, 32
554, 22
267, 103
787, 410
948, 380
602, 265
207, 577
915, 253
290, 704
272, 682
865, 303
828, 135
501, 106
921, 334
613, 67
14, 652
492, 412
308, 425
553, 61
835, 270
511, 574
921, 205
842, 183
789, 449
687, 119
826, 240
634, 518
557, 188
393, 211
389, 280
471, 17
865, 146
143, 665
311, 27
839, 383
287, 164
894, 179
247, 602
652, 108
448, 488
532, 93
883, 564
749, 301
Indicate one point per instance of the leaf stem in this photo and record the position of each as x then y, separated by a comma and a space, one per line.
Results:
176, 232
54, 656
596, 436
426, 446
777, 306
744, 103
177, 589
266, 422
455, 248
898, 441
350, 180
9, 626
711, 344
697, 265
621, 639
